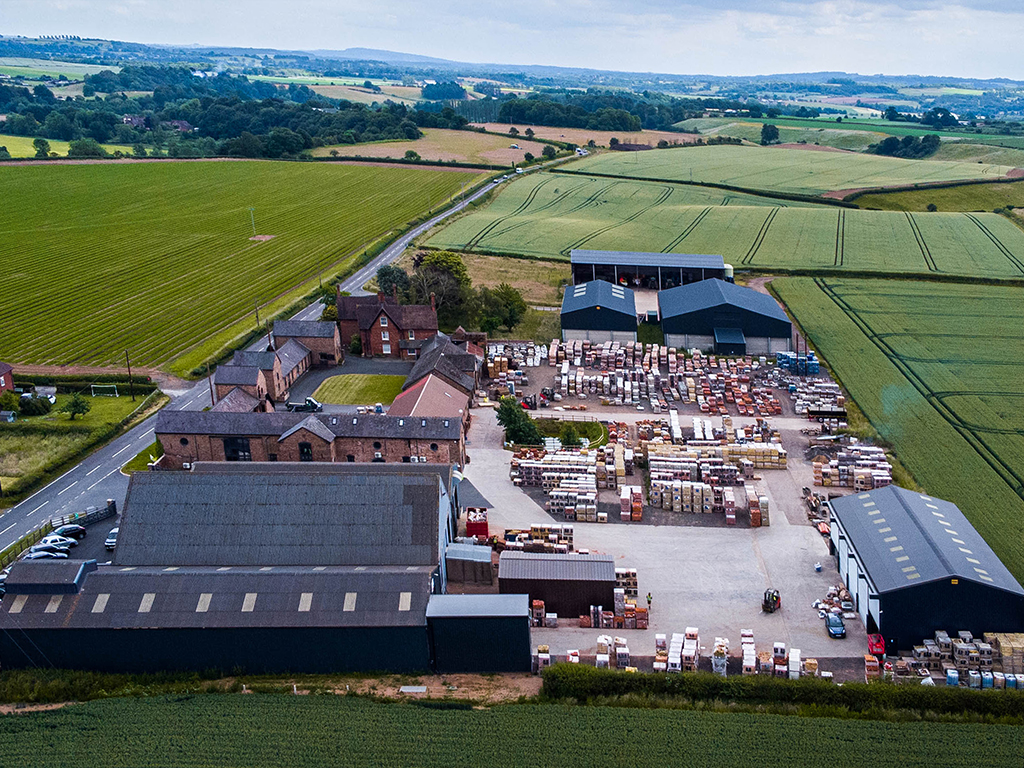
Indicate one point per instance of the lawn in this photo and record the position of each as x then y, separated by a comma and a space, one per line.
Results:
355, 92
140, 462
21, 146
538, 325
969, 197
447, 145
360, 389
546, 215
777, 169
937, 370
256, 730
158, 257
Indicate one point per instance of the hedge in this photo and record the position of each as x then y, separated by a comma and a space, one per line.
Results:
78, 383
584, 683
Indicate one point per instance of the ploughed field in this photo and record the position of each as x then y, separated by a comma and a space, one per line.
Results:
155, 257
938, 369
256, 730
546, 215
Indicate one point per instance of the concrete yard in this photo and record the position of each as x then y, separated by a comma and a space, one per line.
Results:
708, 577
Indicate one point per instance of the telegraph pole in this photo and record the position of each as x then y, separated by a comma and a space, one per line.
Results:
131, 387
209, 380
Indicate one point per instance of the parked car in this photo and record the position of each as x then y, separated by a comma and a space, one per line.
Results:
835, 626
71, 531
46, 556
309, 406
43, 547
111, 541
60, 541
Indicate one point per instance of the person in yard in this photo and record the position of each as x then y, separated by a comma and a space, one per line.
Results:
648, 602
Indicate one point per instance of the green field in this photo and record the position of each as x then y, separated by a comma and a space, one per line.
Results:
853, 139
359, 389
259, 730
37, 68
547, 215
939, 372
156, 257
21, 146
969, 197
775, 169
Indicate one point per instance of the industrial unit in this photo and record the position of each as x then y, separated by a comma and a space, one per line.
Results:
598, 311
654, 271
914, 565
568, 584
723, 317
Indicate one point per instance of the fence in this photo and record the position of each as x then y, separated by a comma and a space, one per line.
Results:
14, 551
90, 516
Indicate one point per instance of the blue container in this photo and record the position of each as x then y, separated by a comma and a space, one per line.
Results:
1011, 681
986, 679
952, 677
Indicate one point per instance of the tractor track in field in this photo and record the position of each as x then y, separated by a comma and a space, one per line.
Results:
840, 238
1007, 473
530, 197
925, 251
686, 232
665, 195
759, 239
585, 203
997, 243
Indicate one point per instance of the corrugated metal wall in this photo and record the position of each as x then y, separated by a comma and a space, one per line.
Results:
569, 599
473, 644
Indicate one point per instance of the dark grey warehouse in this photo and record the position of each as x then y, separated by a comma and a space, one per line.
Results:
652, 271
914, 565
598, 311
568, 584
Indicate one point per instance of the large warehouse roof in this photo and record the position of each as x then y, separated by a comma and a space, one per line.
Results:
534, 566
641, 259
905, 538
370, 425
714, 293
599, 294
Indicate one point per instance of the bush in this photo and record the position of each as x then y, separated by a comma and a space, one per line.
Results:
35, 406
356, 346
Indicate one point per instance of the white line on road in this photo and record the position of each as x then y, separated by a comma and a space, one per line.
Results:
121, 451
104, 478
143, 435
39, 507
68, 488
95, 469
5, 530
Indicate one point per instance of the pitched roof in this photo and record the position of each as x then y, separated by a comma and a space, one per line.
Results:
642, 259
348, 306
262, 360
431, 396
705, 294
5, 368
267, 517
404, 316
226, 597
308, 329
290, 354
905, 538
471, 498
310, 424
534, 566
236, 401
277, 423
237, 375
600, 294
446, 472
447, 360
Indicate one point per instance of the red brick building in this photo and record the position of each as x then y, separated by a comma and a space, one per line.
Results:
385, 327
6, 377
323, 339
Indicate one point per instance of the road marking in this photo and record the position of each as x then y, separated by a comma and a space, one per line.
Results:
95, 469
68, 488
105, 477
143, 435
5, 530
121, 451
39, 507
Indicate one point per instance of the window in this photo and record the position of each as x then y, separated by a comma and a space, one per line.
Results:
350, 458
326, 357
271, 457
237, 449
433, 446
406, 459
383, 321
387, 349
376, 446
412, 335
385, 336
378, 458
305, 451
184, 441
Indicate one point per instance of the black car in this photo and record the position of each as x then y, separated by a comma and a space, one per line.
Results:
52, 548
71, 531
835, 626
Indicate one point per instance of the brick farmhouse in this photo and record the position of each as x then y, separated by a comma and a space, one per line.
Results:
384, 327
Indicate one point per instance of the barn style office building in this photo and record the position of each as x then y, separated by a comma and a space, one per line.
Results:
727, 318
598, 311
914, 565
272, 568
653, 271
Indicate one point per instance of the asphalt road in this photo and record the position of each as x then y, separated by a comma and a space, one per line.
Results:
99, 478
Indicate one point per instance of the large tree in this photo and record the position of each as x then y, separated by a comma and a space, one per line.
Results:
769, 134
519, 427
443, 274
501, 306
390, 277
76, 406
42, 147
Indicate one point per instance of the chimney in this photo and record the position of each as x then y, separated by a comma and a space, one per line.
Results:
394, 292
433, 302
380, 296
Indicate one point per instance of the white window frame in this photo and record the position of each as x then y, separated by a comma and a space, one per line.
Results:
412, 335
383, 321
385, 336
387, 349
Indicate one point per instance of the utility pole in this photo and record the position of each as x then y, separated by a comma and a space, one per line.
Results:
209, 380
131, 387
252, 218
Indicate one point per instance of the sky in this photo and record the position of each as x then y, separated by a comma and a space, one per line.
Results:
958, 38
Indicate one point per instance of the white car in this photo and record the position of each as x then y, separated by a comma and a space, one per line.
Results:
59, 541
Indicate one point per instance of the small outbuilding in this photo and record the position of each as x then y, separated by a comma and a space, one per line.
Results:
598, 311
479, 633
723, 317
914, 565
568, 584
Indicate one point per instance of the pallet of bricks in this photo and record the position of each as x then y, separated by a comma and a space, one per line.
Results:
861, 467
631, 503
613, 651
550, 538
625, 614
612, 466
1008, 657
682, 653
539, 617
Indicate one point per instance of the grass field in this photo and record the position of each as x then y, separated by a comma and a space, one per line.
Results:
256, 730
21, 146
970, 197
156, 257
444, 144
360, 95
938, 371
581, 136
853, 139
34, 68
546, 215
773, 169
979, 153
359, 389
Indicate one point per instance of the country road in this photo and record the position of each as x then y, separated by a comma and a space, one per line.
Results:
98, 478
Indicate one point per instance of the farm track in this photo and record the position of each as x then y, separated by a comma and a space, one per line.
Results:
686, 232
925, 252
1006, 472
998, 244
759, 240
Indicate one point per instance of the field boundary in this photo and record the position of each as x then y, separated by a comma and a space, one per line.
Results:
925, 185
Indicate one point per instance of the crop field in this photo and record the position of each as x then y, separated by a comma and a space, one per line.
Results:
774, 169
582, 136
156, 257
360, 95
444, 144
938, 371
547, 214
256, 730
359, 389
969, 197
21, 146
840, 138
34, 68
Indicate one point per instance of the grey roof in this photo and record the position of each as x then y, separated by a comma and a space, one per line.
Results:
905, 538
599, 294
5, 368
368, 425
309, 329
236, 401
445, 472
29, 577
477, 606
262, 360
714, 293
534, 566
237, 375
312, 424
478, 553
470, 496
267, 517
730, 336
642, 259
111, 597
445, 359
291, 354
